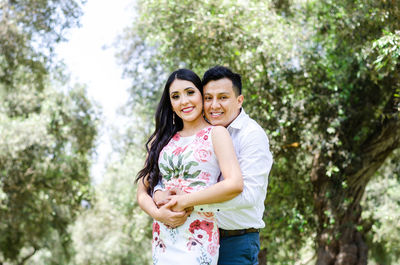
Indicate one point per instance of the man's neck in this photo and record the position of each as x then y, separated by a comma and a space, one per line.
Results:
237, 115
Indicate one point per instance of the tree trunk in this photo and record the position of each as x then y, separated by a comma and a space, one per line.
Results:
262, 257
349, 249
340, 232
340, 237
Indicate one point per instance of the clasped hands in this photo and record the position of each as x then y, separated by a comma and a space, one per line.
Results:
171, 211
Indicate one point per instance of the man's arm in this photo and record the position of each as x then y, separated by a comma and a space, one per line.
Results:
163, 214
255, 161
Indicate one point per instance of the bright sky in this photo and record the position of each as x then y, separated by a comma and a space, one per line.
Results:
92, 64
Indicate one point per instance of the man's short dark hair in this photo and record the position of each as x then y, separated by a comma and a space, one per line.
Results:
219, 72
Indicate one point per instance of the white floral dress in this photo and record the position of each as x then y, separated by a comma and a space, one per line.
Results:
188, 163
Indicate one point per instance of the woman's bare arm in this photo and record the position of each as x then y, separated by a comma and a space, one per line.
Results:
227, 189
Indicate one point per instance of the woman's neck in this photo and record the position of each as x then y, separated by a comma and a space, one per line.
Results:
190, 128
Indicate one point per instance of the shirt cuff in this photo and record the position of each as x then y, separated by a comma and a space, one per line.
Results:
216, 207
159, 186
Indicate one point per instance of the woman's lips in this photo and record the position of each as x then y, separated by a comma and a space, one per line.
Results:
187, 110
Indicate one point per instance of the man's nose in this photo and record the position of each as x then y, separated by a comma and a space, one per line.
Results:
214, 104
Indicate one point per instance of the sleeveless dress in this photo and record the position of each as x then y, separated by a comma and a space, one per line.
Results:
188, 163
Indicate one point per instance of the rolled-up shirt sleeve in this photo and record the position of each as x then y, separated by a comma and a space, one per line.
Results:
159, 186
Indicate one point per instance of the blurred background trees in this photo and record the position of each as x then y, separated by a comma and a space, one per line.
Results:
47, 132
322, 78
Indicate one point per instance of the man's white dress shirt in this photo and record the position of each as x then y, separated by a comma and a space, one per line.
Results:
255, 159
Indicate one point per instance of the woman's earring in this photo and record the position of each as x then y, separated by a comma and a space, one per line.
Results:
173, 118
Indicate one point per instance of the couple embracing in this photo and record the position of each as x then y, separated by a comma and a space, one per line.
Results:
206, 173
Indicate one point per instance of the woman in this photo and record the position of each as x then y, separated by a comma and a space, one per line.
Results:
187, 153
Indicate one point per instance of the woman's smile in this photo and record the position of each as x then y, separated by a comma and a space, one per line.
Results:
187, 109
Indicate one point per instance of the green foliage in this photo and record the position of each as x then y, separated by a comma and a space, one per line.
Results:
47, 132
28, 32
114, 230
322, 77
45, 140
382, 213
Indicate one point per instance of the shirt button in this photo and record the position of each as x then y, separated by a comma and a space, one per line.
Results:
217, 210
201, 209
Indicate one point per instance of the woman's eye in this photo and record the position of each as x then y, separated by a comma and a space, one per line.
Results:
190, 92
175, 97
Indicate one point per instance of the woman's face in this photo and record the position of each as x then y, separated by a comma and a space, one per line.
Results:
186, 100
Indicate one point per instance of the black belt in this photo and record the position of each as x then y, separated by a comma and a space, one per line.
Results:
225, 233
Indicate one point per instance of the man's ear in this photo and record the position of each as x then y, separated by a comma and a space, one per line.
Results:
240, 99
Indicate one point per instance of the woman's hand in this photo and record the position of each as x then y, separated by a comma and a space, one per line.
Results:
170, 217
160, 197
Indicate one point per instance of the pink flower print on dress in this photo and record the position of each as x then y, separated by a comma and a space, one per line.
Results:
156, 232
157, 241
193, 243
179, 150
205, 176
202, 225
176, 137
156, 228
160, 244
208, 227
201, 133
194, 225
200, 234
188, 189
207, 215
212, 249
180, 184
202, 155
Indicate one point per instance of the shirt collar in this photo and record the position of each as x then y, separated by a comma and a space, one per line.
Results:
238, 122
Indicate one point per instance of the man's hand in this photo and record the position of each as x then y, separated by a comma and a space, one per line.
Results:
162, 197
171, 218
179, 203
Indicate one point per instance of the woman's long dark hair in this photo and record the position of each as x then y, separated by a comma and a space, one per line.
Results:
165, 128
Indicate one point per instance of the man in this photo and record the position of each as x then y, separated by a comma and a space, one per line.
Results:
239, 219
239, 236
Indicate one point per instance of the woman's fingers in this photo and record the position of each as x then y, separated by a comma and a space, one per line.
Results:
162, 202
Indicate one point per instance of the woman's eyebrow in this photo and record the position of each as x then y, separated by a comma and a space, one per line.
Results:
189, 87
176, 92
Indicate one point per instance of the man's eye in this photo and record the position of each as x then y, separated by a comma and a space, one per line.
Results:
224, 97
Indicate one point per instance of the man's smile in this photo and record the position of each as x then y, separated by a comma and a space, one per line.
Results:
216, 114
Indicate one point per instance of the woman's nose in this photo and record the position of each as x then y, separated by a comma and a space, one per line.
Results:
184, 100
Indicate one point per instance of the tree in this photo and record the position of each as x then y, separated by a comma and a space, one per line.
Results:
47, 130
381, 213
360, 76
44, 166
114, 230
28, 32
323, 78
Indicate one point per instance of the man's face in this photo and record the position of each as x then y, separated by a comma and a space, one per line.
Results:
221, 105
